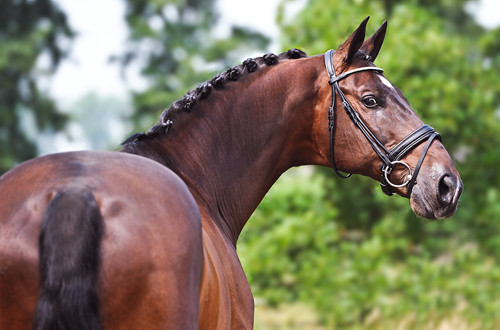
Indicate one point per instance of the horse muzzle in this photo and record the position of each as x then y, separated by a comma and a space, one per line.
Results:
436, 195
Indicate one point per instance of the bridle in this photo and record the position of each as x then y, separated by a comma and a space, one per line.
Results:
390, 158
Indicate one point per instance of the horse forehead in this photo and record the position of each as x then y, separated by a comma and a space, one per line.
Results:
385, 81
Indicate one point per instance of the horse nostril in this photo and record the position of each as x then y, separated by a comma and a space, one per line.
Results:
446, 189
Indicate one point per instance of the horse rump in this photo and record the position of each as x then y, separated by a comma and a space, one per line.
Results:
70, 259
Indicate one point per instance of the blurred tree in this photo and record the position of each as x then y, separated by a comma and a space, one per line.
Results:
360, 255
175, 44
29, 30
452, 13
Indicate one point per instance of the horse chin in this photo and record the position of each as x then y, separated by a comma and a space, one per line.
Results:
428, 209
420, 206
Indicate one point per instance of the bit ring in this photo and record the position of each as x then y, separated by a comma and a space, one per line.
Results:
387, 170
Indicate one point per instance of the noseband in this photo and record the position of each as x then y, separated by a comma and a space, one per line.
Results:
390, 158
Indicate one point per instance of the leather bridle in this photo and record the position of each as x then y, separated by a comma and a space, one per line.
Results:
390, 158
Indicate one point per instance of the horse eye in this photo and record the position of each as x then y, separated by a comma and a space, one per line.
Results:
370, 102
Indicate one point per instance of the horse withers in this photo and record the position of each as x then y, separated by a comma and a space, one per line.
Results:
146, 238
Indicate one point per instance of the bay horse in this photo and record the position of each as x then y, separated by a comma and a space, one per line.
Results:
145, 238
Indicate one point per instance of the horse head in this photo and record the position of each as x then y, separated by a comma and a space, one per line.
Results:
375, 132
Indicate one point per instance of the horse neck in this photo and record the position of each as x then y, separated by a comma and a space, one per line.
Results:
235, 144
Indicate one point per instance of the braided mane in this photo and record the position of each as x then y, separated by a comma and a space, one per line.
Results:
218, 82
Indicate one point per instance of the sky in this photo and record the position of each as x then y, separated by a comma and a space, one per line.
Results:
487, 12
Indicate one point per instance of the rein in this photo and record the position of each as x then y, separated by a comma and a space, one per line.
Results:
390, 158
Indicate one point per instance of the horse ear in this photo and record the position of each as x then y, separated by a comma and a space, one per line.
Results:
349, 48
373, 44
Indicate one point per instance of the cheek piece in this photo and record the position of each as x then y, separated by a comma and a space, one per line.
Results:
389, 158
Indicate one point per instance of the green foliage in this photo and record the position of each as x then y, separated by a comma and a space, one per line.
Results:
298, 247
28, 29
177, 48
363, 259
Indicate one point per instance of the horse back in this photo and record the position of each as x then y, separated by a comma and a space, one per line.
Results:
151, 249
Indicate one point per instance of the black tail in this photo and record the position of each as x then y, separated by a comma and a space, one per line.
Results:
69, 254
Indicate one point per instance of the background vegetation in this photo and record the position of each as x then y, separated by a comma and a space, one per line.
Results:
28, 30
338, 254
